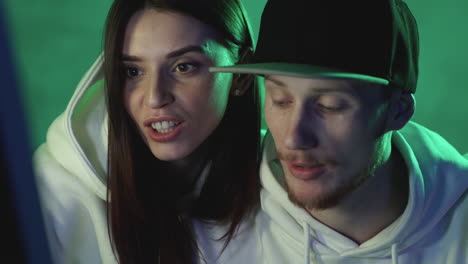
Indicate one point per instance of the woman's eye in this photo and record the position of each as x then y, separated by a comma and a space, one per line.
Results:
185, 67
132, 72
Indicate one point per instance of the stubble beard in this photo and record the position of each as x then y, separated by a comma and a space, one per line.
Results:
333, 197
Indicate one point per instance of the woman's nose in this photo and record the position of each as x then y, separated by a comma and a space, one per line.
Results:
158, 92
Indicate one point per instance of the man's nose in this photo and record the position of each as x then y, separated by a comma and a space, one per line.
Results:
159, 91
301, 130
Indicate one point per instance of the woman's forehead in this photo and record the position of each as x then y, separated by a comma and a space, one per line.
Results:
163, 31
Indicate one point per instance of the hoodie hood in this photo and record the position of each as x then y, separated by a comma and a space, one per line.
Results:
438, 178
77, 139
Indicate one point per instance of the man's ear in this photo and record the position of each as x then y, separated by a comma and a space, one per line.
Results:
400, 111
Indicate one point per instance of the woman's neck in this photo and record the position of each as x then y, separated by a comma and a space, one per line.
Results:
186, 171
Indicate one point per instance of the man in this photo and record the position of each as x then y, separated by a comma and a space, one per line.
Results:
346, 177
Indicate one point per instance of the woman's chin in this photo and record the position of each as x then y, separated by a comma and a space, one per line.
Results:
170, 153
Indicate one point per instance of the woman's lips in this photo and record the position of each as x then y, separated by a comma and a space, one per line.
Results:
165, 137
163, 129
151, 120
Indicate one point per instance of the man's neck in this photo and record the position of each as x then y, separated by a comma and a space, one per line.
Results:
373, 206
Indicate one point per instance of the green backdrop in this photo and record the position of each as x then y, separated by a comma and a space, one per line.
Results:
55, 42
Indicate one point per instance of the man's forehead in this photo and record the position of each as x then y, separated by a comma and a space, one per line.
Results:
367, 92
310, 84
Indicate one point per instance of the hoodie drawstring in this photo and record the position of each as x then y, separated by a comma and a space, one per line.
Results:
394, 254
305, 226
309, 252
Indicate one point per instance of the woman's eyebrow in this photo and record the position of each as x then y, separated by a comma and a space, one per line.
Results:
181, 51
172, 54
130, 58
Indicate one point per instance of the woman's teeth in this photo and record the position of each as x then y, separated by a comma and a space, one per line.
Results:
164, 126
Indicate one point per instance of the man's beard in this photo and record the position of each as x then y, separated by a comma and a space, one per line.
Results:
332, 197
335, 196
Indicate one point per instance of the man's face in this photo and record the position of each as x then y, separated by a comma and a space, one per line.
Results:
328, 134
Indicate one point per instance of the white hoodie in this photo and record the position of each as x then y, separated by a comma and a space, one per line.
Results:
432, 229
70, 173
71, 178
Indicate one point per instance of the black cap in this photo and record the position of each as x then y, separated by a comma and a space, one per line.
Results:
371, 40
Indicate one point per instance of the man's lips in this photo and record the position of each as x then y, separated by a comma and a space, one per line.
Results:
306, 171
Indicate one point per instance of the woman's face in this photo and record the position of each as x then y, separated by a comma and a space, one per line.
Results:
169, 93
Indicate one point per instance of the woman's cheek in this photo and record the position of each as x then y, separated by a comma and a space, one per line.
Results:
221, 85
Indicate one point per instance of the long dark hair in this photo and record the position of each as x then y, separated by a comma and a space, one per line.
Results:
144, 223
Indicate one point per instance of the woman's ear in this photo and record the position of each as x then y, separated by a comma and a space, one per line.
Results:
242, 82
401, 109
245, 55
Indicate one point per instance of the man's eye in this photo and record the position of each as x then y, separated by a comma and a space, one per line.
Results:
331, 104
332, 108
185, 67
280, 103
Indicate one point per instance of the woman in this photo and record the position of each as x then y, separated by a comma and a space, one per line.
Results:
182, 143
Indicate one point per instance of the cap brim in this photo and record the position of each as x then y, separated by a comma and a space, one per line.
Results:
296, 70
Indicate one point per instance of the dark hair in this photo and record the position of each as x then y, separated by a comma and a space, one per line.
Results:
144, 223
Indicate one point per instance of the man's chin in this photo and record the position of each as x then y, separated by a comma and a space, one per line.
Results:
316, 196
314, 201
